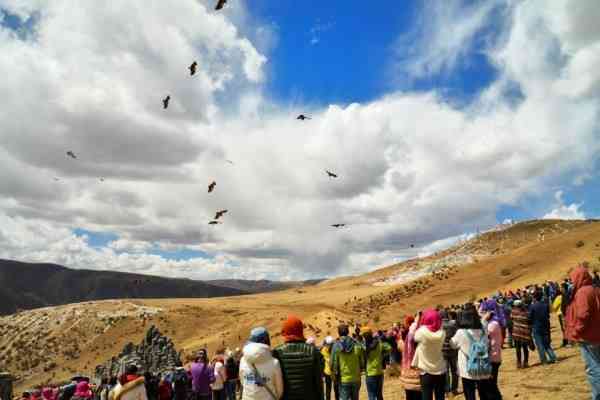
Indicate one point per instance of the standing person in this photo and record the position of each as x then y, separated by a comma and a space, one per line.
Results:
583, 324
539, 314
348, 359
557, 308
474, 365
202, 376
494, 331
409, 376
301, 363
429, 357
326, 353
181, 383
130, 386
83, 392
260, 372
232, 370
218, 386
450, 354
165, 391
596, 279
521, 333
375, 352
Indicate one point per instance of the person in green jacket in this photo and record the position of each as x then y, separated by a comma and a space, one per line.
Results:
348, 360
375, 353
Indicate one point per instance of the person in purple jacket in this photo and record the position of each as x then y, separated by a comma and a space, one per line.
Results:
202, 376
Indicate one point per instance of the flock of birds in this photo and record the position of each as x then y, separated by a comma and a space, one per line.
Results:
193, 68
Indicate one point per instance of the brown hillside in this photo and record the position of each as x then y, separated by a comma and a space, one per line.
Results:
53, 343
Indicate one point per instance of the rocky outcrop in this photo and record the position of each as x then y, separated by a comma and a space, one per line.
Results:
156, 354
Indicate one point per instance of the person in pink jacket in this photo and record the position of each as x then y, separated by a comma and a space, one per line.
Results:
494, 331
583, 324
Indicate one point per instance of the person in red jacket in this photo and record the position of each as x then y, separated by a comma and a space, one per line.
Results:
583, 324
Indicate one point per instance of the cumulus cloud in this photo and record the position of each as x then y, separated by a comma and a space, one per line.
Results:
413, 168
564, 211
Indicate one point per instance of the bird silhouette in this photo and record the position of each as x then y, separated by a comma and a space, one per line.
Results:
412, 246
71, 154
219, 214
338, 225
331, 174
214, 222
101, 179
166, 102
193, 68
220, 4
229, 161
56, 179
211, 187
302, 117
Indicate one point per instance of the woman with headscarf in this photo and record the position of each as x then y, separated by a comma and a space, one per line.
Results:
260, 372
491, 322
329, 384
470, 330
409, 376
429, 357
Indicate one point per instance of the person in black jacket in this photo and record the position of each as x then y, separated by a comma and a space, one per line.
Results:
301, 364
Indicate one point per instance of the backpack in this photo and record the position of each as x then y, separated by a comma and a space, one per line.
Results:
478, 360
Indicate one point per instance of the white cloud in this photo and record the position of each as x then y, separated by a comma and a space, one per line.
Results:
445, 32
317, 31
413, 168
563, 211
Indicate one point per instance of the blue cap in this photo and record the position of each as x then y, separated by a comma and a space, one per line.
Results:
259, 335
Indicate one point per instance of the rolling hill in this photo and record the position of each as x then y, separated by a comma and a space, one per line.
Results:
51, 343
26, 286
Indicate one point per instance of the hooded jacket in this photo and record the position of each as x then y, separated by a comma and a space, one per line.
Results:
376, 351
257, 358
429, 357
202, 377
348, 359
583, 313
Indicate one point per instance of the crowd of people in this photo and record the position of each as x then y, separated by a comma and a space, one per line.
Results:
437, 351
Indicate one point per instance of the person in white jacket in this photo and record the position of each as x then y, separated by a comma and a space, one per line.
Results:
260, 373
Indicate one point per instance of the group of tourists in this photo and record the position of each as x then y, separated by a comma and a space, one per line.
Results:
437, 351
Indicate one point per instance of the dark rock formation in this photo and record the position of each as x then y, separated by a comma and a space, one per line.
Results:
156, 354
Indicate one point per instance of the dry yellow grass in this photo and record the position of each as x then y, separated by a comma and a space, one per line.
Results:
53, 343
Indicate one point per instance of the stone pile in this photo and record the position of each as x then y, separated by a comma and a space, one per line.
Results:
156, 354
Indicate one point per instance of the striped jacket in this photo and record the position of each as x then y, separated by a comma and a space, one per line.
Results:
521, 324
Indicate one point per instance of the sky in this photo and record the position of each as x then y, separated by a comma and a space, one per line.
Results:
440, 118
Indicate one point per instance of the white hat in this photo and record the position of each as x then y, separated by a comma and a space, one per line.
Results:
329, 340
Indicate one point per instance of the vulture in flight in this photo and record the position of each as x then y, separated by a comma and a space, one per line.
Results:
166, 102
220, 4
338, 225
229, 161
193, 68
331, 174
71, 154
211, 187
302, 117
214, 222
101, 179
412, 246
219, 214
56, 179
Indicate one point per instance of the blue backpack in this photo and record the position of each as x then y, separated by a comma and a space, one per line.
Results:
478, 360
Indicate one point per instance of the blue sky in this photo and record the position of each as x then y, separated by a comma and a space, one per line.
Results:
416, 68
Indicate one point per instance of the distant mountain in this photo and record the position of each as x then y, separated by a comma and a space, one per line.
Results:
27, 286
261, 286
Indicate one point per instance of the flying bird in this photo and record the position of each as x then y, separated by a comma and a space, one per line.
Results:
302, 117
211, 187
220, 4
338, 225
214, 222
229, 161
166, 102
193, 68
331, 174
412, 246
56, 179
219, 214
71, 154
101, 179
